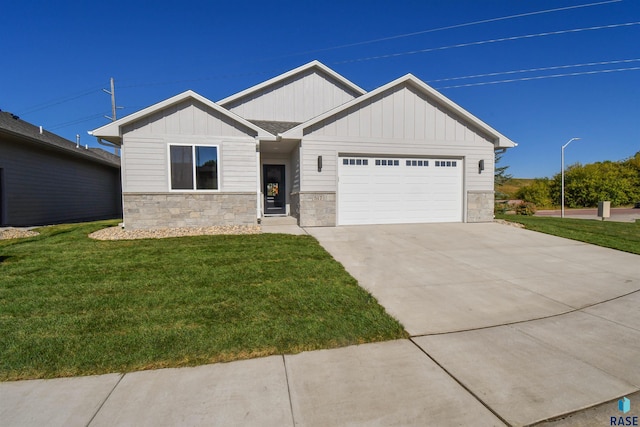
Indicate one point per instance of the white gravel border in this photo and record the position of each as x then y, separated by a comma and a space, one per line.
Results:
119, 233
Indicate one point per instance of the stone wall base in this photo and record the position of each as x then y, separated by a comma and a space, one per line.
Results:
158, 210
315, 209
480, 206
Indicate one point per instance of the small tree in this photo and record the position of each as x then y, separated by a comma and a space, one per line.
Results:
500, 177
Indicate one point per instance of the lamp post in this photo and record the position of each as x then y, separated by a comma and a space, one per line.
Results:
562, 156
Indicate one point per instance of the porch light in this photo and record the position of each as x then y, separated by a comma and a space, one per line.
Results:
319, 163
480, 166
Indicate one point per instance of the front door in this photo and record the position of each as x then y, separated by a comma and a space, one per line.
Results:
274, 190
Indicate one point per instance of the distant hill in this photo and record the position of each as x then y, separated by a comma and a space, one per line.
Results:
512, 187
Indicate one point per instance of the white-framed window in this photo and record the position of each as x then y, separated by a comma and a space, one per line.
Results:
194, 167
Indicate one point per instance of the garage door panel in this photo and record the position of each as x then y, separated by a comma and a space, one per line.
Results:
399, 191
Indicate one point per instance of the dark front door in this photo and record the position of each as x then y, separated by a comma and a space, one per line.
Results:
274, 190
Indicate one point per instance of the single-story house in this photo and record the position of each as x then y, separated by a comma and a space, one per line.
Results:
47, 179
310, 144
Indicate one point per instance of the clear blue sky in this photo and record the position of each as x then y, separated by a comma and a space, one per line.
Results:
57, 57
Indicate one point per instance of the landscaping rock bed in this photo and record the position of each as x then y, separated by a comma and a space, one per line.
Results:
119, 233
513, 224
16, 233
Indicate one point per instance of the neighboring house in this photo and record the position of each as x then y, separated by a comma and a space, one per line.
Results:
46, 179
311, 144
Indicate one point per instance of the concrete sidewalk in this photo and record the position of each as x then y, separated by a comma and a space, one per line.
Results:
509, 327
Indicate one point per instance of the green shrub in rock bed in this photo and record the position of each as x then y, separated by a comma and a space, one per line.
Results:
525, 208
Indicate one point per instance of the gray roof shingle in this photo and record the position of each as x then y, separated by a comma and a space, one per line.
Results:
273, 127
12, 125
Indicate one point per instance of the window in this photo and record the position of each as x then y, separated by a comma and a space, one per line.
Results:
185, 172
355, 162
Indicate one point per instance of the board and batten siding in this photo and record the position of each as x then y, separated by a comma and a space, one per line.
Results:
43, 186
296, 99
399, 122
145, 148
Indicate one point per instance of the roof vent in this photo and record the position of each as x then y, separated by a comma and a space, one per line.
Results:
15, 117
40, 130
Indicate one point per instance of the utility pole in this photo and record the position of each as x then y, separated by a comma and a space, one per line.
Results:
113, 118
113, 101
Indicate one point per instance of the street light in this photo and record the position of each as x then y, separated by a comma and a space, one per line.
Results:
562, 156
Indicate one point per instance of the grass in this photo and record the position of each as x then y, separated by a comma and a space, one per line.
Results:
71, 306
624, 236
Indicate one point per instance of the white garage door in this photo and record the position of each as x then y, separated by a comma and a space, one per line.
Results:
379, 190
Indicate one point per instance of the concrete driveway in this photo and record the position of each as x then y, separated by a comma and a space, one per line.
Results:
438, 278
533, 326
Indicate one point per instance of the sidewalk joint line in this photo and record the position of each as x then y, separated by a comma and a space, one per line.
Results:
286, 376
468, 390
517, 322
105, 399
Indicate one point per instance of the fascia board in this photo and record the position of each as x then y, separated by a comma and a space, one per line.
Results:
500, 140
288, 74
113, 130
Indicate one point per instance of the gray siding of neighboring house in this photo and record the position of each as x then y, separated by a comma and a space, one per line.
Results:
148, 199
296, 99
44, 186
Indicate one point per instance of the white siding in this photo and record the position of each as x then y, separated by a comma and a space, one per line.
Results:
295, 170
400, 121
145, 147
144, 165
296, 99
187, 118
329, 148
238, 165
399, 113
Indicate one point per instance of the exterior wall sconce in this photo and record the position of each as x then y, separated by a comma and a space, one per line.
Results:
480, 166
319, 163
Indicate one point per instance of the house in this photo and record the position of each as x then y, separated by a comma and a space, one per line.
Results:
311, 144
46, 179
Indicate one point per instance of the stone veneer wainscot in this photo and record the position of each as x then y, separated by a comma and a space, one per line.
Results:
158, 210
480, 206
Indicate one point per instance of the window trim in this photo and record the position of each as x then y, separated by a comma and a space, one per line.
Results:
193, 146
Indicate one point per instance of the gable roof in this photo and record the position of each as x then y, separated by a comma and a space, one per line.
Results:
282, 77
499, 140
113, 131
19, 129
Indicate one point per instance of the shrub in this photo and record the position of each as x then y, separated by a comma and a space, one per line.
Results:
526, 208
501, 207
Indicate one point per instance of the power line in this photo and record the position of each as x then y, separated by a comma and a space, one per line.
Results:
530, 70
449, 27
498, 40
551, 76
75, 121
58, 101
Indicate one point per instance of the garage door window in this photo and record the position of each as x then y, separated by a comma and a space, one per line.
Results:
417, 162
446, 163
355, 162
389, 162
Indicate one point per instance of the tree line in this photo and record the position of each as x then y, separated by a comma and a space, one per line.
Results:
586, 185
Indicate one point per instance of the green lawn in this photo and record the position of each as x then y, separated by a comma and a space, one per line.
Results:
623, 236
70, 305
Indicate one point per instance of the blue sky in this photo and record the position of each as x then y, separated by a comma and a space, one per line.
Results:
57, 57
